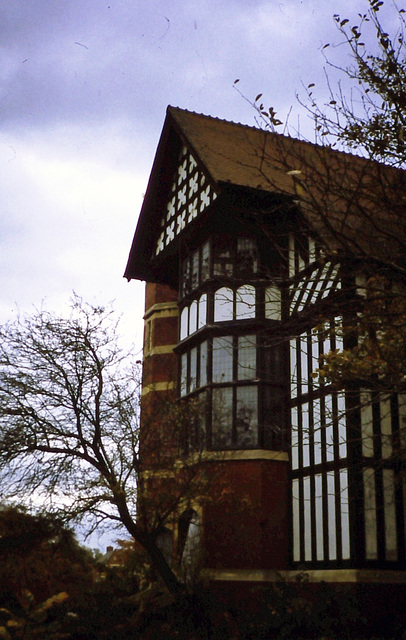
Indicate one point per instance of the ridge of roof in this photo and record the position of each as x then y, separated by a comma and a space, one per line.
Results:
172, 110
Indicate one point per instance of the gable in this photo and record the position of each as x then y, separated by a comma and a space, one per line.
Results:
190, 194
348, 202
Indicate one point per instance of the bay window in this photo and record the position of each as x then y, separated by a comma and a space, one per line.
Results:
226, 361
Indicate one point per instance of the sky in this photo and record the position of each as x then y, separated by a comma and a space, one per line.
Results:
84, 85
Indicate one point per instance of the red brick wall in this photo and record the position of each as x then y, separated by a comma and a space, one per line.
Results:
247, 527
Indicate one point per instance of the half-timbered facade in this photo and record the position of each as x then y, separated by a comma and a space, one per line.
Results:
246, 291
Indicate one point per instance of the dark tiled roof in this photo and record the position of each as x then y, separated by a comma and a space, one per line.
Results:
351, 202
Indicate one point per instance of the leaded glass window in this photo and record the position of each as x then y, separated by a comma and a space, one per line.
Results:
320, 497
241, 376
227, 367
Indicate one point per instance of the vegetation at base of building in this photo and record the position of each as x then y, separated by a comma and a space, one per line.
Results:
113, 608
51, 588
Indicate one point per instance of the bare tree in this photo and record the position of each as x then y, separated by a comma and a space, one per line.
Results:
69, 433
370, 116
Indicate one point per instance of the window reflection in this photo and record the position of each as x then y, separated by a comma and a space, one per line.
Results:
202, 311
222, 415
246, 416
193, 317
247, 357
223, 304
184, 323
247, 257
222, 359
245, 302
273, 298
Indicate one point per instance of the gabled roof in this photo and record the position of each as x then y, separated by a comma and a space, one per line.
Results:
349, 200
231, 152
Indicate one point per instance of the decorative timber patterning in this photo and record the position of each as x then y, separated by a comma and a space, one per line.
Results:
190, 195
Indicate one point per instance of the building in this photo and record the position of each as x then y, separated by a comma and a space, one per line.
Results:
254, 248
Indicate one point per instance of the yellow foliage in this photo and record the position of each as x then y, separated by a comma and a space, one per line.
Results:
379, 356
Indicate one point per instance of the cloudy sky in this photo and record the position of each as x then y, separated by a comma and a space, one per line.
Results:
84, 85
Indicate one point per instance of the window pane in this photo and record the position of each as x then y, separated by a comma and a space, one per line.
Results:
371, 545
342, 429
315, 361
402, 422
247, 417
203, 364
307, 519
331, 507
205, 273
305, 435
223, 259
386, 427
293, 368
345, 523
296, 520
202, 311
391, 550
222, 417
223, 359
367, 424
245, 302
318, 506
247, 256
273, 303
295, 439
199, 441
184, 323
223, 305
193, 369
186, 276
328, 407
304, 377
183, 375
195, 269
193, 317
247, 358
317, 432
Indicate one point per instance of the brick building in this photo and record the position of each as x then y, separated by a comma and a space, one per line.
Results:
246, 243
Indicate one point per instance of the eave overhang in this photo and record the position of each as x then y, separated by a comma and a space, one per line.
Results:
347, 201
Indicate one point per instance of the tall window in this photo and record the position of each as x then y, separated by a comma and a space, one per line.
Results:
382, 419
347, 448
320, 500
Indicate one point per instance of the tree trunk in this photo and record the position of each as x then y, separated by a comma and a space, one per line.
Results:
148, 543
